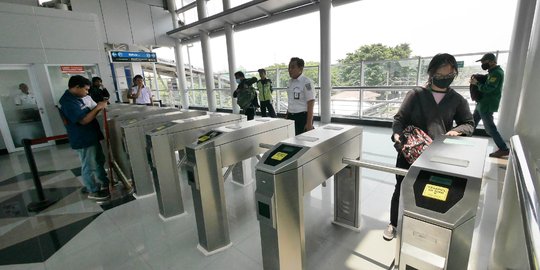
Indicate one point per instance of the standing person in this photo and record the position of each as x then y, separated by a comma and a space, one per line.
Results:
245, 89
264, 85
140, 94
85, 135
25, 97
433, 109
300, 96
489, 103
97, 91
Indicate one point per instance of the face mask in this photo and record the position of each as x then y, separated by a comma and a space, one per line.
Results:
485, 66
442, 83
238, 80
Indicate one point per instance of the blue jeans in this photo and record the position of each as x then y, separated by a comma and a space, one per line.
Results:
489, 126
92, 161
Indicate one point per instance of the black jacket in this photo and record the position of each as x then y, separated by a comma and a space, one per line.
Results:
98, 94
420, 109
246, 84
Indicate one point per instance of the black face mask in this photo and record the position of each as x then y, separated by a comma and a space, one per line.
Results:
442, 83
485, 66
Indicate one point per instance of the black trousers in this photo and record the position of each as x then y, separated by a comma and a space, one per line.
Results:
401, 162
267, 104
300, 120
250, 113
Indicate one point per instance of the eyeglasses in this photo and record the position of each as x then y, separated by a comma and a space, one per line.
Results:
447, 76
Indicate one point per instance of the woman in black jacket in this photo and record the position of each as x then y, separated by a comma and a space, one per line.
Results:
433, 109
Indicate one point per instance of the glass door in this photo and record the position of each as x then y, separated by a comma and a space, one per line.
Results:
20, 115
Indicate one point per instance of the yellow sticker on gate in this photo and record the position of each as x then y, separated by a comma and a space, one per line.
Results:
435, 192
204, 138
279, 156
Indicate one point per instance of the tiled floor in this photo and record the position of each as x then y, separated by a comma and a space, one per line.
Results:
132, 236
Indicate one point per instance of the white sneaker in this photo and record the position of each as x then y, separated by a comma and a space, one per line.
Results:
389, 233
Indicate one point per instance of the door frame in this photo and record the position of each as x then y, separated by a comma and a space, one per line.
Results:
6, 133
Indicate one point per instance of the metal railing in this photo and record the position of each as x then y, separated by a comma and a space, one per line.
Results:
374, 103
517, 235
378, 87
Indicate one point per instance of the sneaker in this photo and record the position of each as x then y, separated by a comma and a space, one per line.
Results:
389, 233
500, 153
100, 195
84, 190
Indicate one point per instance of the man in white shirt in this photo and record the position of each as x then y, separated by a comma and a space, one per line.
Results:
141, 94
301, 97
25, 98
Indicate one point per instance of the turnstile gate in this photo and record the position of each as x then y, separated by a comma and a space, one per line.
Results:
293, 168
116, 121
161, 144
133, 134
438, 203
216, 149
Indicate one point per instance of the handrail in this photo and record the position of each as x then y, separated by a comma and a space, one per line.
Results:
529, 202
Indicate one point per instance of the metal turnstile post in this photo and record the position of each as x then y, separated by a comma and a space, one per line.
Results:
292, 169
162, 143
133, 133
219, 148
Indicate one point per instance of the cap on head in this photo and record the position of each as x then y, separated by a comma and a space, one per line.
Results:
487, 57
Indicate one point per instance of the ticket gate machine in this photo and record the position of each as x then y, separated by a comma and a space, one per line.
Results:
216, 149
161, 144
438, 203
133, 134
292, 169
115, 132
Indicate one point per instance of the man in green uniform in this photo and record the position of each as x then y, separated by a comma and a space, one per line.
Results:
489, 103
264, 85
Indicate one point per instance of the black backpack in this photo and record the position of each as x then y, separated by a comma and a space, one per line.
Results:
476, 95
245, 96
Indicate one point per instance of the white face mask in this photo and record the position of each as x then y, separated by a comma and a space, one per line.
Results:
238, 80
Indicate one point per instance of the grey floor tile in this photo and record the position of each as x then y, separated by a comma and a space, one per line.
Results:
132, 236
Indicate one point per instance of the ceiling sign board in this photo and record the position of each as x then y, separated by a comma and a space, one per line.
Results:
72, 69
130, 57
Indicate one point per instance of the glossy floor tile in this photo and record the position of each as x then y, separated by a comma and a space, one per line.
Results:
76, 233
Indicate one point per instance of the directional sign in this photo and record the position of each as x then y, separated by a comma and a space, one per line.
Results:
124, 56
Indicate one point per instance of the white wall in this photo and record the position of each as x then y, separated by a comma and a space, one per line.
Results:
40, 37
141, 22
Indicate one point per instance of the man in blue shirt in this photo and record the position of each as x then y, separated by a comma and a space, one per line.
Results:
84, 135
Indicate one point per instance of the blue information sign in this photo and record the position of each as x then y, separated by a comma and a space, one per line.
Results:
123, 56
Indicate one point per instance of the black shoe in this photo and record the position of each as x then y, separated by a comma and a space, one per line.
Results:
84, 190
500, 153
101, 195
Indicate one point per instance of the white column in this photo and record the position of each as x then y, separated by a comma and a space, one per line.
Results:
326, 83
229, 37
513, 81
527, 123
232, 64
181, 74
136, 69
179, 57
156, 85
207, 58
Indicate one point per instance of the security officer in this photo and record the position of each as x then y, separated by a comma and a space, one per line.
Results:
264, 85
301, 97
489, 103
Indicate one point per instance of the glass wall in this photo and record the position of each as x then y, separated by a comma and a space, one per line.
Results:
59, 77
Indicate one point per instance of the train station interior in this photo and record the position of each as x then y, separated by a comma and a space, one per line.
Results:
197, 185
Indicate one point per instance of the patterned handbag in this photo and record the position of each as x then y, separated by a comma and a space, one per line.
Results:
415, 141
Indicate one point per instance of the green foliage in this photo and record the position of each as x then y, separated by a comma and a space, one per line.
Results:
375, 73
